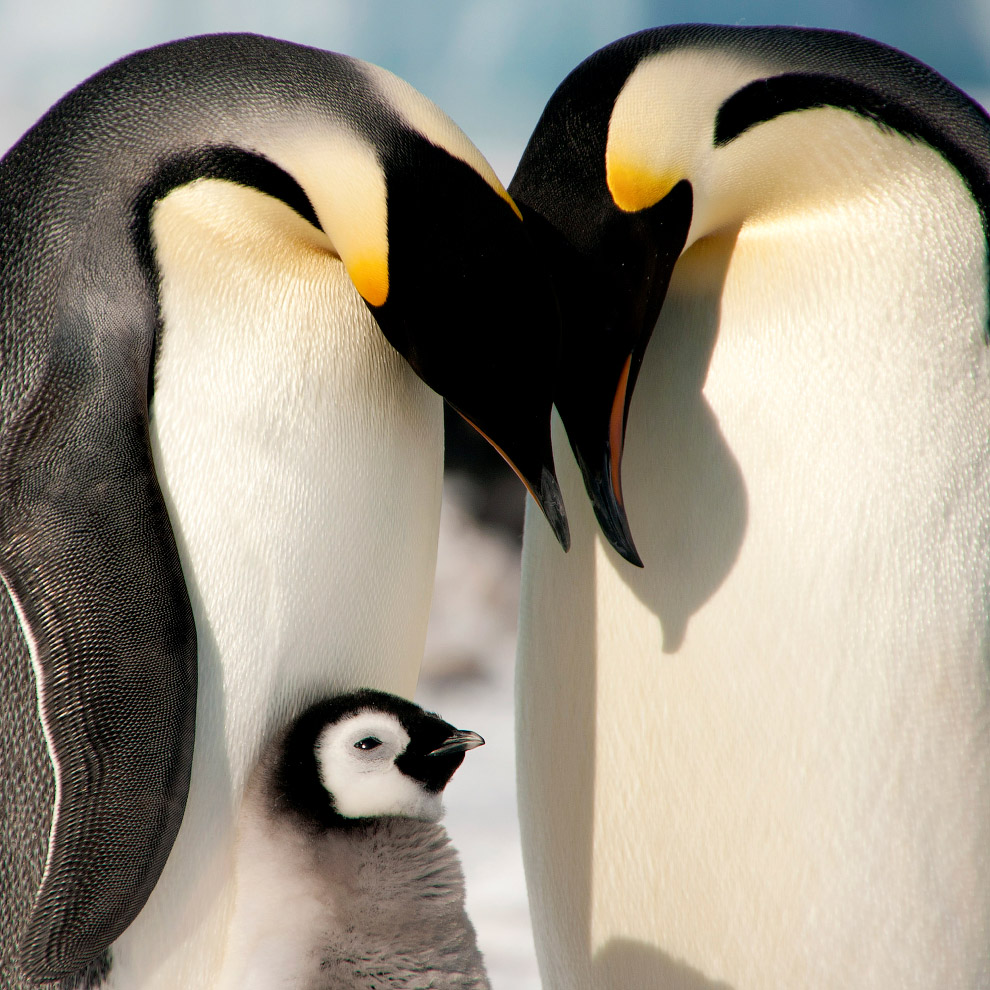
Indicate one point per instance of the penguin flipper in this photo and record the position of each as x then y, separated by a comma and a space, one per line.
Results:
26, 793
88, 556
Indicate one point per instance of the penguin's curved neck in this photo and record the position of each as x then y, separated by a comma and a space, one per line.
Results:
759, 143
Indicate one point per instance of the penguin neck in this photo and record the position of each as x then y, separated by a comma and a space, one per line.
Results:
683, 115
754, 242
389, 855
816, 163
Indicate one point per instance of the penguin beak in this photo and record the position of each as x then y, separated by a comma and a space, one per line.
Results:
604, 486
599, 458
470, 309
540, 480
551, 502
610, 290
459, 741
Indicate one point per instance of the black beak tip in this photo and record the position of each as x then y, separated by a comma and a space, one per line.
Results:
460, 741
612, 519
552, 503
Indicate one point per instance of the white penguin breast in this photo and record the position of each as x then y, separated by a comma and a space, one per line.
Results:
299, 456
807, 477
785, 770
300, 460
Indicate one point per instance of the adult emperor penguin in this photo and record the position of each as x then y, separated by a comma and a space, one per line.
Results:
765, 756
346, 880
221, 230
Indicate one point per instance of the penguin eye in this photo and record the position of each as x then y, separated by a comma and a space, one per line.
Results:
369, 742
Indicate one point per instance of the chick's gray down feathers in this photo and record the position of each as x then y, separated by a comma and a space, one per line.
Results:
363, 904
406, 926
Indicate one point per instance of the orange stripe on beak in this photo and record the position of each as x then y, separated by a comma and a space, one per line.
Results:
505, 456
615, 429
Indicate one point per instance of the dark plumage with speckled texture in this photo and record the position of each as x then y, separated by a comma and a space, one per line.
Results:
87, 551
86, 546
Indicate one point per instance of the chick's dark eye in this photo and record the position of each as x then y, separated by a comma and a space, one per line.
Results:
369, 742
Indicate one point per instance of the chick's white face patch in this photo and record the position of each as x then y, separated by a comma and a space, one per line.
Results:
356, 761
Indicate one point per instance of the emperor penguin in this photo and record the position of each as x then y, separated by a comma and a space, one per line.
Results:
234, 273
346, 879
764, 756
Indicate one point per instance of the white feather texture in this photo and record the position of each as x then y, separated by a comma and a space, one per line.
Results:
300, 459
779, 770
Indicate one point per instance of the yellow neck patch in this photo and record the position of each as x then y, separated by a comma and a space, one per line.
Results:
370, 277
635, 186
662, 125
343, 178
647, 151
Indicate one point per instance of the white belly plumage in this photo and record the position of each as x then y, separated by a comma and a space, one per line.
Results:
301, 463
765, 758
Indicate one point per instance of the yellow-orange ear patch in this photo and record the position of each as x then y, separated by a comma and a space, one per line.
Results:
504, 194
344, 181
370, 277
635, 186
653, 141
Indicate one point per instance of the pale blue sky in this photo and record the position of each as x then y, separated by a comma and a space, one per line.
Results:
490, 63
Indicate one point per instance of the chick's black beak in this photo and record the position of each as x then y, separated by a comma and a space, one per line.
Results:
459, 741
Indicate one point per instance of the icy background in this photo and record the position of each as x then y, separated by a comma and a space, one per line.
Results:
491, 64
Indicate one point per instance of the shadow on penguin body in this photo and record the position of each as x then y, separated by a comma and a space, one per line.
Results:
212, 462
345, 879
765, 755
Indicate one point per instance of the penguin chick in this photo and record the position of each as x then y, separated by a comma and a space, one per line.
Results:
345, 881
